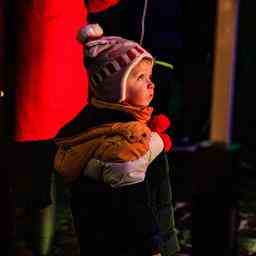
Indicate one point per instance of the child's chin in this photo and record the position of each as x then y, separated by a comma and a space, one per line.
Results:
146, 104
141, 104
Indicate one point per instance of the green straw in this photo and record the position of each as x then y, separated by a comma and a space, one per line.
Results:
165, 64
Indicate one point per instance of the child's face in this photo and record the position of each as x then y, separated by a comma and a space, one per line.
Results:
139, 87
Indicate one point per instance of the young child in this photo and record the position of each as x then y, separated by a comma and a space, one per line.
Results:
113, 155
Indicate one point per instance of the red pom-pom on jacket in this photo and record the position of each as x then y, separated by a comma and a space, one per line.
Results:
160, 123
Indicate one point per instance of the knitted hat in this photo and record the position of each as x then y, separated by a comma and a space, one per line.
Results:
109, 61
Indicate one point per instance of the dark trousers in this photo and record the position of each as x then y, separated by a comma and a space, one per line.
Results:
30, 165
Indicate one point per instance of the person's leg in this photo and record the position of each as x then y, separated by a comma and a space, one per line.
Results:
7, 198
32, 167
43, 226
35, 229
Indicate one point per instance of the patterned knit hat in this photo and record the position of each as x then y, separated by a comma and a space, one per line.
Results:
109, 61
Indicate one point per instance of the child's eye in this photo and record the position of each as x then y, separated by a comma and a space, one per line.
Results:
141, 77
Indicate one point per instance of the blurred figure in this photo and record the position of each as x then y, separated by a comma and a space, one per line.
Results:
48, 87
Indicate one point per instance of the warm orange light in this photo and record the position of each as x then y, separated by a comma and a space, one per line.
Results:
224, 66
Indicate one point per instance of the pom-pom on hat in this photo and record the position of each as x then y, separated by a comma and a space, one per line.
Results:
109, 61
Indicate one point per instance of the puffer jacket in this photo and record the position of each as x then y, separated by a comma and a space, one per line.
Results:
112, 142
136, 219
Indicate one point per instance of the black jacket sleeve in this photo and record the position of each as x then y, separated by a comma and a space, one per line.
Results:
160, 198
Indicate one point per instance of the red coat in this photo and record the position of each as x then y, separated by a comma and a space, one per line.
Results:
51, 80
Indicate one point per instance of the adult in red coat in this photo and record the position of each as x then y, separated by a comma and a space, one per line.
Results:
51, 84
50, 87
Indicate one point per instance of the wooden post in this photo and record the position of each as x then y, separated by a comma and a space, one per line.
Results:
224, 71
214, 172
